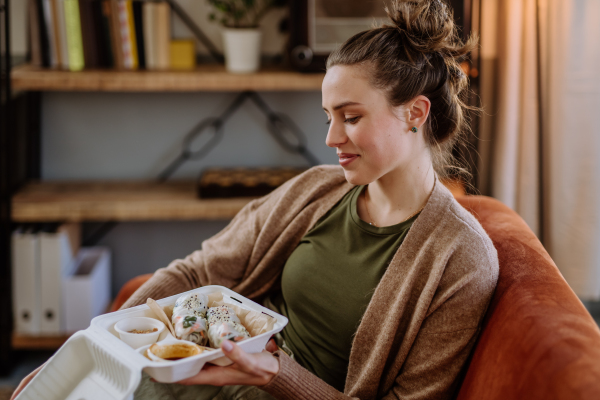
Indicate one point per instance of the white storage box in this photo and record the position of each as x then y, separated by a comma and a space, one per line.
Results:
96, 364
87, 289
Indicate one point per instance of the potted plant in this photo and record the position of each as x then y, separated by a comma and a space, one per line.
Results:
242, 36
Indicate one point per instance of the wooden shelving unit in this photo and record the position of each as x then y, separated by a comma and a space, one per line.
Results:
127, 201
118, 201
131, 201
203, 78
24, 342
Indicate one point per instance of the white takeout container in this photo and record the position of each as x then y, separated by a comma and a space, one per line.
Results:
96, 364
135, 340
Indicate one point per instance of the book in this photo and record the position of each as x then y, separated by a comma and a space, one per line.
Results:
35, 45
131, 33
43, 32
56, 29
105, 51
115, 33
138, 19
62, 33
88, 33
125, 35
149, 17
163, 35
74, 39
49, 26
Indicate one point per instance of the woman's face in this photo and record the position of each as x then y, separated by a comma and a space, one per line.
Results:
371, 137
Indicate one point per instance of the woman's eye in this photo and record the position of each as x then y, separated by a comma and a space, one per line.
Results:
348, 120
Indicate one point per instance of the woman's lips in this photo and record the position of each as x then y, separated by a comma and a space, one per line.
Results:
347, 158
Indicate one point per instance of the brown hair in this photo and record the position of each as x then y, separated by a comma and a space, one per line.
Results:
419, 54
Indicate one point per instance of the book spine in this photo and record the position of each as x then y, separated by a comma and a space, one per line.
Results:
35, 47
43, 30
115, 34
105, 57
163, 35
90, 45
74, 40
139, 33
56, 27
50, 32
62, 33
132, 36
149, 34
124, 33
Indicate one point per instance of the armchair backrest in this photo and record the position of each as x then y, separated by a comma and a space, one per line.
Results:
538, 340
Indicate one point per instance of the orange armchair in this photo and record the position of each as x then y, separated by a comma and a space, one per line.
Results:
538, 341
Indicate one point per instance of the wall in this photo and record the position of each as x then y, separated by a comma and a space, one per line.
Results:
135, 136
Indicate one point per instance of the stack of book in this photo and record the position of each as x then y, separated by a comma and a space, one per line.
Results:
121, 34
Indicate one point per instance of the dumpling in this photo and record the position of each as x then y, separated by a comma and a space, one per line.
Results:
224, 324
221, 314
191, 304
188, 318
191, 328
220, 331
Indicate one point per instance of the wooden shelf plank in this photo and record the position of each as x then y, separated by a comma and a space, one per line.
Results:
118, 201
203, 78
24, 342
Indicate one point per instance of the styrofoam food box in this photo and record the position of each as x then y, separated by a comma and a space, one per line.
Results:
96, 364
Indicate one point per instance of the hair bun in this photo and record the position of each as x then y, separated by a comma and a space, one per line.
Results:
428, 26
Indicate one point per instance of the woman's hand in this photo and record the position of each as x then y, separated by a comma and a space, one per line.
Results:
247, 369
24, 382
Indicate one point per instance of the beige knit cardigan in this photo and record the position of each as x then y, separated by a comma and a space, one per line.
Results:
423, 318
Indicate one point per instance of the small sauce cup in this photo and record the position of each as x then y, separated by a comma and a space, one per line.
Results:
173, 351
125, 327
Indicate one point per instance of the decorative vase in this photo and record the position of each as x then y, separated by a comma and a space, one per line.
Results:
242, 50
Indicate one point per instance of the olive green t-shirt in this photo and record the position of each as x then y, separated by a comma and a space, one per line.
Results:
328, 282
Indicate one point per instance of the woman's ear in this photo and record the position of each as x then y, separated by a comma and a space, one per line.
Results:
418, 111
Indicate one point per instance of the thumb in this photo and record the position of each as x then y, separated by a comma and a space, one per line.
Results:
238, 356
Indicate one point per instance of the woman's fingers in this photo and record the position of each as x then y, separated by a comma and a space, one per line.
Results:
241, 359
210, 375
271, 346
24, 382
247, 369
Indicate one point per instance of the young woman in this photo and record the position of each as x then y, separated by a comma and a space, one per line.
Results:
383, 276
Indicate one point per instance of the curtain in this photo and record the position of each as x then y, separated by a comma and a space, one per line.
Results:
540, 133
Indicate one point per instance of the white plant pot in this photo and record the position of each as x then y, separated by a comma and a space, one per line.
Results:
242, 50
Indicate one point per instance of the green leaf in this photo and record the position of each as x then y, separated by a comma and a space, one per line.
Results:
189, 321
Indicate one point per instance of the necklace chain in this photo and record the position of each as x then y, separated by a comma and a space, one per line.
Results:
406, 219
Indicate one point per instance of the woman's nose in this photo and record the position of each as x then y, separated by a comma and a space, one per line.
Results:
336, 135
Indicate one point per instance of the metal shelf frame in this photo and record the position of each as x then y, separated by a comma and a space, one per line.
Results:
6, 189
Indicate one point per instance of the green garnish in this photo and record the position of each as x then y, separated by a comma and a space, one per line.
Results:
189, 321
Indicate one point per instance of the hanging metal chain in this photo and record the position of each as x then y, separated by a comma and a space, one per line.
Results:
278, 124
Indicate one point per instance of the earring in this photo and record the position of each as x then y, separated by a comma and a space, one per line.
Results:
415, 129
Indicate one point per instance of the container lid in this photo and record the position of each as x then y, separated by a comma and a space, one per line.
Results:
83, 369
